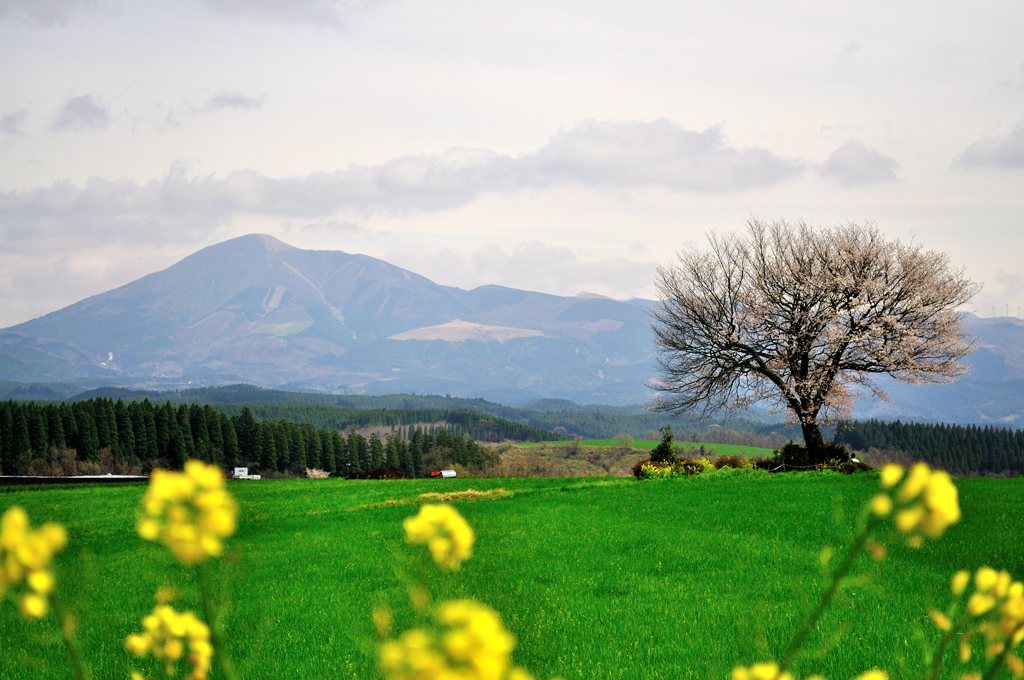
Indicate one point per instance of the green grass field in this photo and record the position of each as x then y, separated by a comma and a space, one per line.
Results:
597, 577
648, 444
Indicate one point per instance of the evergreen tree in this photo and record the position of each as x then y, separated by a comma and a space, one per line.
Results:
356, 451
245, 429
7, 456
296, 450
214, 431
125, 433
185, 425
22, 451
665, 451
376, 452
38, 436
70, 425
230, 438
327, 453
177, 449
265, 445
55, 427
314, 452
340, 465
416, 453
200, 434
88, 443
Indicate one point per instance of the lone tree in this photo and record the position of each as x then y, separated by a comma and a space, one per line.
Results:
797, 317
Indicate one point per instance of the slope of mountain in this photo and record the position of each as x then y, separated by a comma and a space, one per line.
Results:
254, 309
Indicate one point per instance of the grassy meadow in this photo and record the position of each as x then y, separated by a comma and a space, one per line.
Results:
681, 447
597, 577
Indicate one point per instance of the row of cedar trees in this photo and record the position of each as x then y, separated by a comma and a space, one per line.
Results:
141, 436
957, 448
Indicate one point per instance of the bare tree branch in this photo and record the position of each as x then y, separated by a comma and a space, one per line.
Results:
796, 317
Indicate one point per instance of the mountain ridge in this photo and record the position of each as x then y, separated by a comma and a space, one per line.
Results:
254, 309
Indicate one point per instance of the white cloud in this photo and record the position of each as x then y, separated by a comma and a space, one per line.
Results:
998, 152
231, 100
11, 122
315, 11
81, 112
854, 164
42, 12
619, 155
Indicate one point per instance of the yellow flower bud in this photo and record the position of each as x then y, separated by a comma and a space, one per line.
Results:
985, 579
994, 649
32, 606
959, 582
940, 620
876, 550
881, 505
916, 481
979, 603
891, 475
873, 674
41, 582
907, 520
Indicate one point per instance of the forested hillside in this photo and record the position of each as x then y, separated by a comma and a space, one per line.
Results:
103, 435
588, 421
957, 448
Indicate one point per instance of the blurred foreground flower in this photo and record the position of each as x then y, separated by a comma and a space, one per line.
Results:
926, 502
445, 533
25, 554
190, 512
993, 613
167, 635
469, 642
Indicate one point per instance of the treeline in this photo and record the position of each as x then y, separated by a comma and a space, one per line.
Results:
958, 448
104, 435
589, 421
471, 424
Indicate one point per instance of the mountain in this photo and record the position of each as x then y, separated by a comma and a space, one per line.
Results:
254, 309
993, 392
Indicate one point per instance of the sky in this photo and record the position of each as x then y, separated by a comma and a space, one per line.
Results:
554, 146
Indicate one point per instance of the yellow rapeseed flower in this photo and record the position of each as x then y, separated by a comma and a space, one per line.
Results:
25, 556
873, 674
996, 608
444, 531
881, 505
166, 635
927, 502
190, 512
959, 582
466, 642
761, 671
891, 475
940, 620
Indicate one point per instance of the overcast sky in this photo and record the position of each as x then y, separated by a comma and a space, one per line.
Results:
552, 146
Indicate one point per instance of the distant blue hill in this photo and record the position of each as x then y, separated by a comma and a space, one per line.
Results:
255, 310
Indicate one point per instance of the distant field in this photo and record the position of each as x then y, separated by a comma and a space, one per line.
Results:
719, 449
599, 578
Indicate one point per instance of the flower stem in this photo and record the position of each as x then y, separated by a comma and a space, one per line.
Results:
826, 599
67, 624
1000, 659
211, 612
943, 643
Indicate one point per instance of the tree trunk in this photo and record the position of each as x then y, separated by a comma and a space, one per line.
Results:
814, 442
